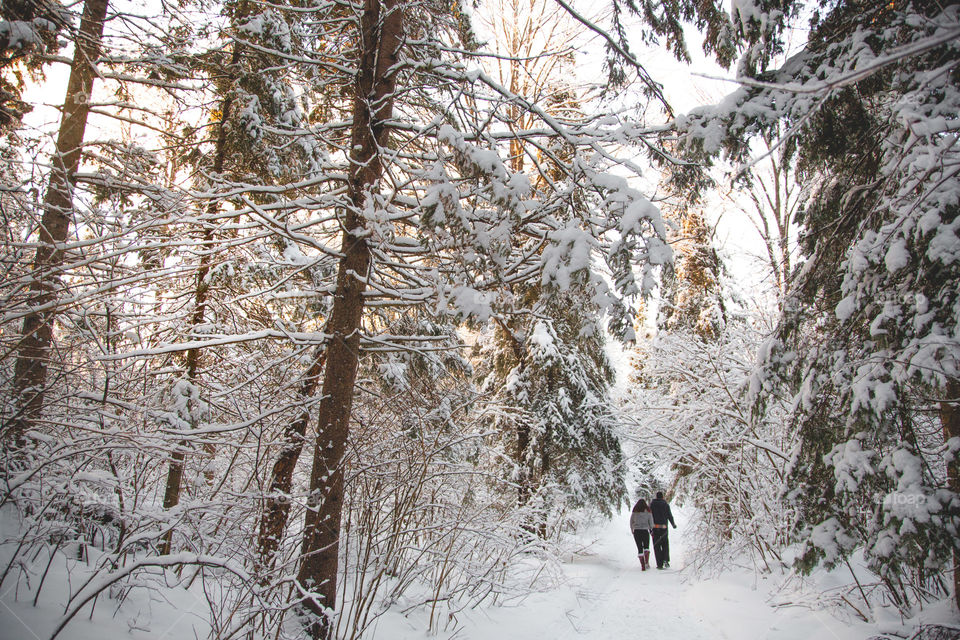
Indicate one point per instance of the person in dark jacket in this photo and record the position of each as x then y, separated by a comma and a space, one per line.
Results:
641, 522
661, 542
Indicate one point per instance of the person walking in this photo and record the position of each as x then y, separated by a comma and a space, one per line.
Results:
660, 511
641, 521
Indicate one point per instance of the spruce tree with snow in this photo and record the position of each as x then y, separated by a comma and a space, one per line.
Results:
29, 31
693, 296
868, 341
549, 380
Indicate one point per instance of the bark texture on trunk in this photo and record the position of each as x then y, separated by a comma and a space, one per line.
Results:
950, 418
276, 511
381, 36
33, 352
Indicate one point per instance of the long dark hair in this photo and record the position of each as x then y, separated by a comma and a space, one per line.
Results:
641, 505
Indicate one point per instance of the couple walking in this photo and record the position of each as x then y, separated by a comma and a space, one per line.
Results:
645, 519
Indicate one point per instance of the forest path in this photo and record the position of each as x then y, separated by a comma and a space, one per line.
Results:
619, 600
606, 597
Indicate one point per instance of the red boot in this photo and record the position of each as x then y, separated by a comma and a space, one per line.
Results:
643, 562
646, 558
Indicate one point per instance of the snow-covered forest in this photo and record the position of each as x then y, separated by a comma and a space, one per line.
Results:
350, 319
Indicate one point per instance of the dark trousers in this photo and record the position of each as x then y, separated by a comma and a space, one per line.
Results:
642, 538
661, 545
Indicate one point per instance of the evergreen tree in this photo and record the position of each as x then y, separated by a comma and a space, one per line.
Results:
546, 371
460, 227
549, 382
29, 29
868, 340
693, 297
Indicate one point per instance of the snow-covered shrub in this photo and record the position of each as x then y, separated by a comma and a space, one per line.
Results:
692, 424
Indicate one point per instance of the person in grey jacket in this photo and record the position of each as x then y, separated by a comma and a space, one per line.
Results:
641, 522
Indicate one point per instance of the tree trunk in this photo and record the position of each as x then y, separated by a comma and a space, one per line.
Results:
524, 476
381, 33
950, 418
30, 372
171, 494
273, 522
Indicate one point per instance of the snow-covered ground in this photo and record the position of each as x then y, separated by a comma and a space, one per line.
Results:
604, 595
607, 597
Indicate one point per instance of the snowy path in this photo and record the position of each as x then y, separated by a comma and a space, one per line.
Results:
608, 597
